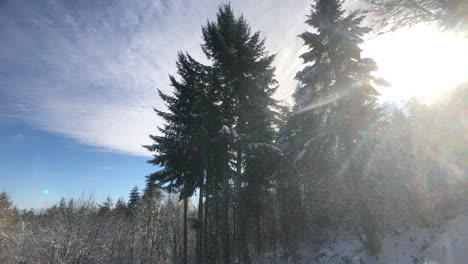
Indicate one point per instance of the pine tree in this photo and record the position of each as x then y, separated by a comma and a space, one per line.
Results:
246, 84
104, 209
121, 207
183, 148
176, 149
134, 201
150, 208
336, 91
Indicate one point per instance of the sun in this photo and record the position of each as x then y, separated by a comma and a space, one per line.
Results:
419, 62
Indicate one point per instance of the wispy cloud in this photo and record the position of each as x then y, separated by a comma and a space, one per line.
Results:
89, 71
18, 138
105, 168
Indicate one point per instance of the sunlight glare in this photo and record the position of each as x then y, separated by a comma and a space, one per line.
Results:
419, 62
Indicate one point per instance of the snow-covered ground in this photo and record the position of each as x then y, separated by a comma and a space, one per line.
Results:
408, 245
445, 244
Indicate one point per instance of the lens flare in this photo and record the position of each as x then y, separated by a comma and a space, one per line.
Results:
420, 62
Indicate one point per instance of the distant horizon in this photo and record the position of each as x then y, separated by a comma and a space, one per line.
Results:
38, 161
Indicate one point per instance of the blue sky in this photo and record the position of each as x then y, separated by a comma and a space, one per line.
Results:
89, 69
34, 161
78, 82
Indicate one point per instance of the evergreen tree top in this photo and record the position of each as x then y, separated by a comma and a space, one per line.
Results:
229, 40
334, 67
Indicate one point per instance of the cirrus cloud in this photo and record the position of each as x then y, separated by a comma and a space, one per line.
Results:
89, 70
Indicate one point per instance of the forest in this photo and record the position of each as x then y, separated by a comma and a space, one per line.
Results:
241, 177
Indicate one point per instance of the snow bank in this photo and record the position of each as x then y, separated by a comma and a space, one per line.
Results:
407, 245
452, 245
447, 244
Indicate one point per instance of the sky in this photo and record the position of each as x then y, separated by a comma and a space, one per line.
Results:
78, 83
38, 168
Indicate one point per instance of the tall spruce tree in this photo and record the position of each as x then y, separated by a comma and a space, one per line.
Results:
176, 149
246, 84
180, 147
337, 92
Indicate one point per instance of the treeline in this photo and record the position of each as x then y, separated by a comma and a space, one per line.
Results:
146, 229
266, 179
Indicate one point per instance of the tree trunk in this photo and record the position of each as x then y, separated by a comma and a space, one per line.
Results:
259, 233
174, 250
225, 212
200, 222
205, 218
205, 238
243, 252
185, 230
238, 208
